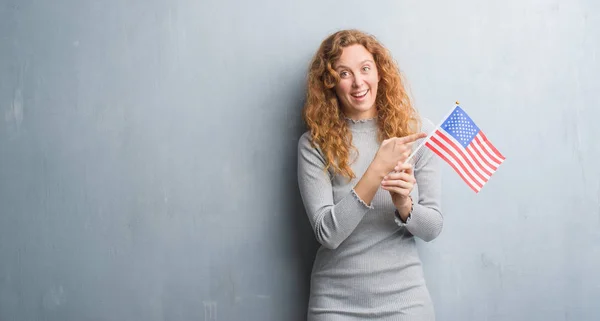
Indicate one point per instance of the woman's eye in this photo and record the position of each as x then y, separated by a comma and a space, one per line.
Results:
343, 74
366, 68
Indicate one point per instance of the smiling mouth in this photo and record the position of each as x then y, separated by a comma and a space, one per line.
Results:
360, 94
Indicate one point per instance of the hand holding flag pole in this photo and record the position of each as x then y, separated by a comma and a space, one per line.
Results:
459, 142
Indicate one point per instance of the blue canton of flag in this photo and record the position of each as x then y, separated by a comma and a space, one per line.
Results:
460, 126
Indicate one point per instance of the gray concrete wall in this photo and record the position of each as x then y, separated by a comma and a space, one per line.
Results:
147, 155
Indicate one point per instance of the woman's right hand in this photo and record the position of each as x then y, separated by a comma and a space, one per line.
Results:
394, 150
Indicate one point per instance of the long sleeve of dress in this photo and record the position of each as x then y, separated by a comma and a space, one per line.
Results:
331, 223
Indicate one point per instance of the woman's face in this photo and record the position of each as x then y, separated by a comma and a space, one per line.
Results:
357, 88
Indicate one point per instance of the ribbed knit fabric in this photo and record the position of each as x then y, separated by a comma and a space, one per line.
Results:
368, 267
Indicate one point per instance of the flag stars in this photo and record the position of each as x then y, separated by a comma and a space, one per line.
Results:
461, 127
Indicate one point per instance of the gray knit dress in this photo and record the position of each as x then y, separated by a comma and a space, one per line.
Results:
368, 267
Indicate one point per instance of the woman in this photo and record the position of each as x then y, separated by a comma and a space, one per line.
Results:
357, 189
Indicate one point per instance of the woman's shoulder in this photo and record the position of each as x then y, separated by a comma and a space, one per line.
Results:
309, 151
305, 140
305, 143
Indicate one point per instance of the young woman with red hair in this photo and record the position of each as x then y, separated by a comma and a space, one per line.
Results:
358, 191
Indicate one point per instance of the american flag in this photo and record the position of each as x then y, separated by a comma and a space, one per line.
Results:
465, 148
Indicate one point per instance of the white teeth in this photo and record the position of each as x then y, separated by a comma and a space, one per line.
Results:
360, 94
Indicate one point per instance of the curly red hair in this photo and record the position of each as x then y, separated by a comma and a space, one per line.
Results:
329, 130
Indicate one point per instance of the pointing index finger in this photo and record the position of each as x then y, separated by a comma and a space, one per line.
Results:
412, 138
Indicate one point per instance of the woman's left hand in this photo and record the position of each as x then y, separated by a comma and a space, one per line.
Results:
400, 183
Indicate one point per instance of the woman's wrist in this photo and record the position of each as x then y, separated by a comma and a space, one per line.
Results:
369, 183
405, 209
377, 170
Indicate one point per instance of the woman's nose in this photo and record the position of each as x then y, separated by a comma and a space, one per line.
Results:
357, 81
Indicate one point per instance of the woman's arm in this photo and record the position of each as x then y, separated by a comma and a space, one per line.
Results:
332, 223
